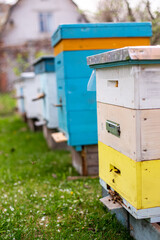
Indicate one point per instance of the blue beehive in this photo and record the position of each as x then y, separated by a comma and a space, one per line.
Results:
45, 72
72, 44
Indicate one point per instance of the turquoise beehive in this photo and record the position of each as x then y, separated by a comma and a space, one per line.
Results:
72, 44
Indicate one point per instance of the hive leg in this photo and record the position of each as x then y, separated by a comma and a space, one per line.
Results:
52, 144
86, 161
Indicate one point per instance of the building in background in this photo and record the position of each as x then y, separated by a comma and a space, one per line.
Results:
26, 32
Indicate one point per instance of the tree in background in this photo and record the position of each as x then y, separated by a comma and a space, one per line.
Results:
21, 64
111, 11
144, 13
121, 11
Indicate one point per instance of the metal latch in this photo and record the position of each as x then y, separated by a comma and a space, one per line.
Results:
60, 103
113, 128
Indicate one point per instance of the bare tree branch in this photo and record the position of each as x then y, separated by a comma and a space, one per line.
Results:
130, 13
148, 6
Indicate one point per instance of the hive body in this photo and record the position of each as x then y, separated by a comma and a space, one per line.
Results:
19, 85
72, 44
128, 107
136, 182
135, 89
26, 88
33, 109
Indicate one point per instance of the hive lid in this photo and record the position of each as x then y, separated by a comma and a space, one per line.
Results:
126, 54
43, 58
44, 64
101, 30
25, 75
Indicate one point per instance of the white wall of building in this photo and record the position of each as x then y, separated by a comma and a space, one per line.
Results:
23, 24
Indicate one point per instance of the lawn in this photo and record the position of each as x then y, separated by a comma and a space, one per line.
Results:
36, 199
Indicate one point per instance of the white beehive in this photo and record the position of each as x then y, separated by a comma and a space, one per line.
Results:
128, 94
31, 87
128, 107
19, 88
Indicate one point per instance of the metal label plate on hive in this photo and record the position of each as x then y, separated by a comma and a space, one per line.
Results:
113, 128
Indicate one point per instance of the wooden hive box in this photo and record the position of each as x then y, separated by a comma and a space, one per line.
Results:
128, 99
44, 69
33, 109
19, 88
72, 44
138, 135
137, 182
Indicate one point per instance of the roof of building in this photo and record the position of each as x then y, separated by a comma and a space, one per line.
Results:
8, 9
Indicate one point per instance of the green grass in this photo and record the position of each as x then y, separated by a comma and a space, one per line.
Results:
7, 104
34, 203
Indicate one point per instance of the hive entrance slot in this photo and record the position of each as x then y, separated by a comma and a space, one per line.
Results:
112, 83
114, 169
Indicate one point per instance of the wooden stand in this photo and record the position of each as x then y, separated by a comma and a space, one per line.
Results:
24, 117
140, 229
50, 141
86, 161
32, 126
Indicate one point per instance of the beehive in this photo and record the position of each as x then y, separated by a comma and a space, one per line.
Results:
19, 85
72, 44
33, 109
77, 111
128, 99
44, 69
